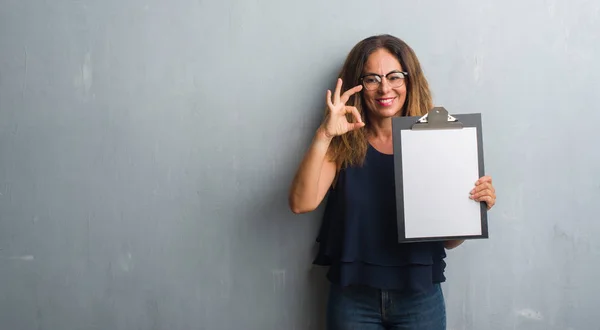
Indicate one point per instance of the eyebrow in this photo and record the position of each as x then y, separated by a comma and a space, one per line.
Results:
377, 74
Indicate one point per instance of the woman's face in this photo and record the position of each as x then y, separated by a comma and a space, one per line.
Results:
385, 100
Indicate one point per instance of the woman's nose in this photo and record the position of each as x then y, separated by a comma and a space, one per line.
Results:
384, 86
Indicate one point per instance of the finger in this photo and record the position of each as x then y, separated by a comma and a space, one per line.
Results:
338, 89
488, 200
354, 126
482, 193
484, 199
483, 179
350, 92
481, 187
355, 113
328, 99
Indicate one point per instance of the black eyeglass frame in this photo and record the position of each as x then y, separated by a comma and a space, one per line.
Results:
380, 77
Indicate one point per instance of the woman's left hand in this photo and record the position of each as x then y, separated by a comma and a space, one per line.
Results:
484, 191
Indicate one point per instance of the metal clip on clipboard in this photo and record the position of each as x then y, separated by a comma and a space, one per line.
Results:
437, 118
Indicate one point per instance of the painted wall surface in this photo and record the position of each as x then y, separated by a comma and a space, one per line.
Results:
146, 149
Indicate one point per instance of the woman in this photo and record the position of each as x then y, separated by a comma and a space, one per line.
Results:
376, 283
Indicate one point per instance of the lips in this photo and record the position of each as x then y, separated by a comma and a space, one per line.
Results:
386, 102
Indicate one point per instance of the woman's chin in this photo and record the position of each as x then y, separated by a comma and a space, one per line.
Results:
387, 112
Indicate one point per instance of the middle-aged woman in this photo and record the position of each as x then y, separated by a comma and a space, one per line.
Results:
376, 282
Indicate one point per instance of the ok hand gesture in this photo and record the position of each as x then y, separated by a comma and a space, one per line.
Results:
335, 122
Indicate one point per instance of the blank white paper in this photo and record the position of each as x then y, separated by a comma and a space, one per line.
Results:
439, 169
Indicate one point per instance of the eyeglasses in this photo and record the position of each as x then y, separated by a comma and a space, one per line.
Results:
372, 81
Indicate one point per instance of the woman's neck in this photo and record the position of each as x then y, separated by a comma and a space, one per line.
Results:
380, 129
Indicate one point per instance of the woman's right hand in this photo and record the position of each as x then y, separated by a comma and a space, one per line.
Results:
335, 122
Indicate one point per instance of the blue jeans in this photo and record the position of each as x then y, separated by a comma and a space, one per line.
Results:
365, 308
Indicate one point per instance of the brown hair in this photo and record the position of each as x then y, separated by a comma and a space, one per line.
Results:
350, 148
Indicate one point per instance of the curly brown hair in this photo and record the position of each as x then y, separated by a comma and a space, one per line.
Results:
350, 149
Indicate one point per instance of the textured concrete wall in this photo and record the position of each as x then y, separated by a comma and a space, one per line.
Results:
146, 149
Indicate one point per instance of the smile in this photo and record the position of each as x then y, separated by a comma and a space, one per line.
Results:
386, 102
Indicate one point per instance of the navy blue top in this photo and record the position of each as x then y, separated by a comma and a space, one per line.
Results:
358, 237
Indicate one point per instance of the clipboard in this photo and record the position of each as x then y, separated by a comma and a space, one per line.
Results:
437, 159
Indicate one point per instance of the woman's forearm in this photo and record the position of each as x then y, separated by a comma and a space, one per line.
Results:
452, 244
313, 177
